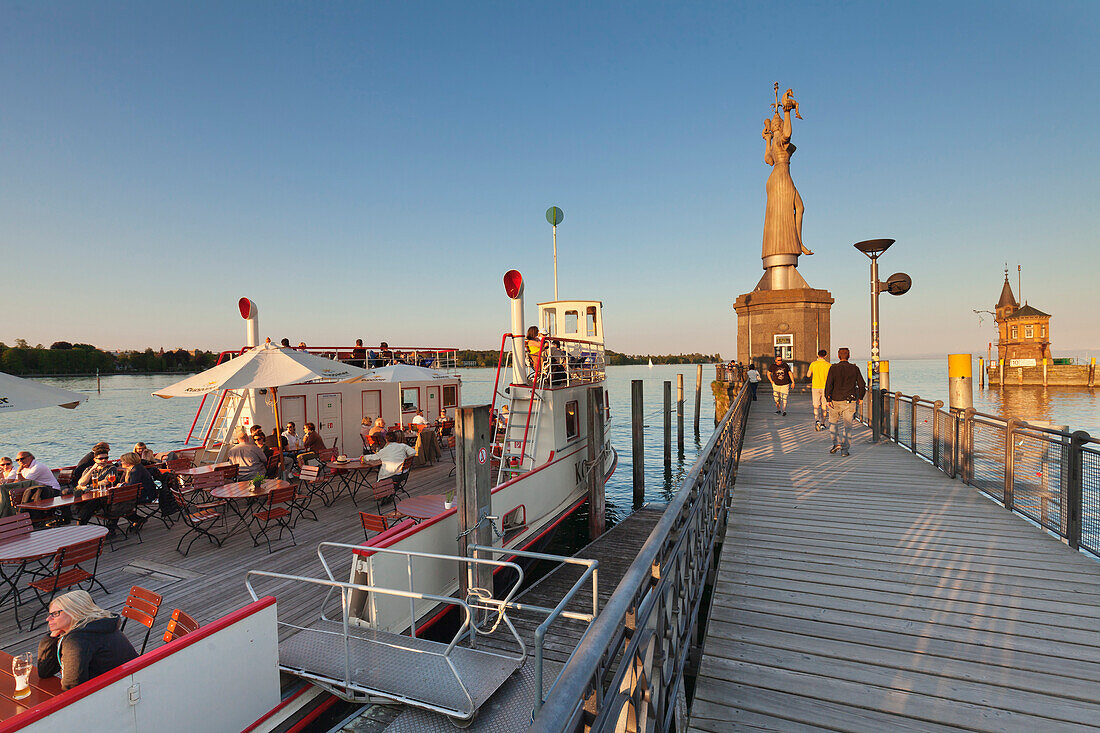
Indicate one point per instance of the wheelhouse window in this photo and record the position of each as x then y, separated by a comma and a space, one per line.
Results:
410, 399
450, 395
590, 321
572, 420
571, 321
1029, 332
550, 321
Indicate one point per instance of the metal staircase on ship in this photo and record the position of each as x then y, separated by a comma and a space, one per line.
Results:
516, 440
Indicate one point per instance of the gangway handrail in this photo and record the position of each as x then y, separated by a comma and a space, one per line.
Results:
609, 685
591, 567
987, 452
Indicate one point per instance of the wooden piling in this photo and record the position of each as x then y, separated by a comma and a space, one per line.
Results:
1044, 372
668, 422
637, 440
1092, 371
698, 394
596, 504
1001, 369
981, 372
680, 415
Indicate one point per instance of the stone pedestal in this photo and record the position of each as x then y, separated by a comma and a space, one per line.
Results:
800, 315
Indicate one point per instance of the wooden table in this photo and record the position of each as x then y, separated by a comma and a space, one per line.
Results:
41, 689
423, 507
201, 470
45, 505
244, 492
350, 476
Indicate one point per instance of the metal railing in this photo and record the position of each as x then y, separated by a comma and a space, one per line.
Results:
628, 668
1051, 477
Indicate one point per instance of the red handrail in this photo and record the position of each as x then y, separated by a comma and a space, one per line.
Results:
198, 412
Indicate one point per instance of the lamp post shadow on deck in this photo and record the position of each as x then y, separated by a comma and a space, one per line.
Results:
897, 284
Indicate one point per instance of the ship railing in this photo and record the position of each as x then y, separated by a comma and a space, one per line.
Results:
559, 362
629, 667
1047, 475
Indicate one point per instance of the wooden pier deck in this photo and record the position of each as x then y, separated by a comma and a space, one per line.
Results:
873, 593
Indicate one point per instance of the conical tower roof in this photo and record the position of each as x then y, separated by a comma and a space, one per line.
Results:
1007, 298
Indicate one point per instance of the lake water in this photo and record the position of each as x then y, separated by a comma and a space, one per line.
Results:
124, 412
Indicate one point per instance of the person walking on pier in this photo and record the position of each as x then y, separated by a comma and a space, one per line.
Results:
844, 390
819, 370
779, 374
754, 380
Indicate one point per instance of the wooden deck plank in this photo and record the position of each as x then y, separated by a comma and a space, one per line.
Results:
872, 592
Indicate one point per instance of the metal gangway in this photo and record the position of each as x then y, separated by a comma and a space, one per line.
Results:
340, 652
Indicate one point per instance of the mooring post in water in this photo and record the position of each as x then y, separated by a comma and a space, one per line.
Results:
680, 415
960, 381
97, 380
596, 504
1001, 369
637, 441
1044, 372
981, 372
475, 524
668, 423
698, 394
1092, 371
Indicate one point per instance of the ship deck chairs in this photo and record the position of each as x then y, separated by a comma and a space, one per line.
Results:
141, 606
276, 511
179, 625
200, 518
120, 504
69, 567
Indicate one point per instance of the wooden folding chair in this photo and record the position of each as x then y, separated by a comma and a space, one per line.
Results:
178, 464
375, 523
142, 606
121, 503
276, 511
67, 571
179, 625
200, 518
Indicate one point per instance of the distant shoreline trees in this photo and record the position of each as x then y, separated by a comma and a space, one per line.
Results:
64, 358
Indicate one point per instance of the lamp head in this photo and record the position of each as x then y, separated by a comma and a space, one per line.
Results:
873, 247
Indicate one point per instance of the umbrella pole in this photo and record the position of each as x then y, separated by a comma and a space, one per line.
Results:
400, 407
278, 433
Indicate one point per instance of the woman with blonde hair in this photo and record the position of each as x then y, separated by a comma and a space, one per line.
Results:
83, 641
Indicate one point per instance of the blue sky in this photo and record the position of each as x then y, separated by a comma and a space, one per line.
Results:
371, 170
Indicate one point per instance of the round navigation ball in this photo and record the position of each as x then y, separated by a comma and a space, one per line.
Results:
898, 283
513, 284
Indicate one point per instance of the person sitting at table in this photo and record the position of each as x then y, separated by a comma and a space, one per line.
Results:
83, 641
385, 354
393, 454
144, 454
358, 354
135, 473
312, 441
364, 430
150, 491
419, 419
101, 475
86, 462
33, 470
249, 459
395, 435
8, 470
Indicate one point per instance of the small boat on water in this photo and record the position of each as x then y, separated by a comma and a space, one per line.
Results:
401, 623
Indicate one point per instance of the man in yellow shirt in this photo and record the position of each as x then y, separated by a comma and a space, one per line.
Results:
819, 371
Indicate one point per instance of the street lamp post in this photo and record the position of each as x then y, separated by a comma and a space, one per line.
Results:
898, 284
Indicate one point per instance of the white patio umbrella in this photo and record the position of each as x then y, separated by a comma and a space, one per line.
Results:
399, 373
24, 394
266, 366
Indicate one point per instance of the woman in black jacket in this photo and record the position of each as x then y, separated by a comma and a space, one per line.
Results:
83, 642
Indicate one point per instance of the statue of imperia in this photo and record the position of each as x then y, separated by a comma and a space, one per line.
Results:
783, 214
